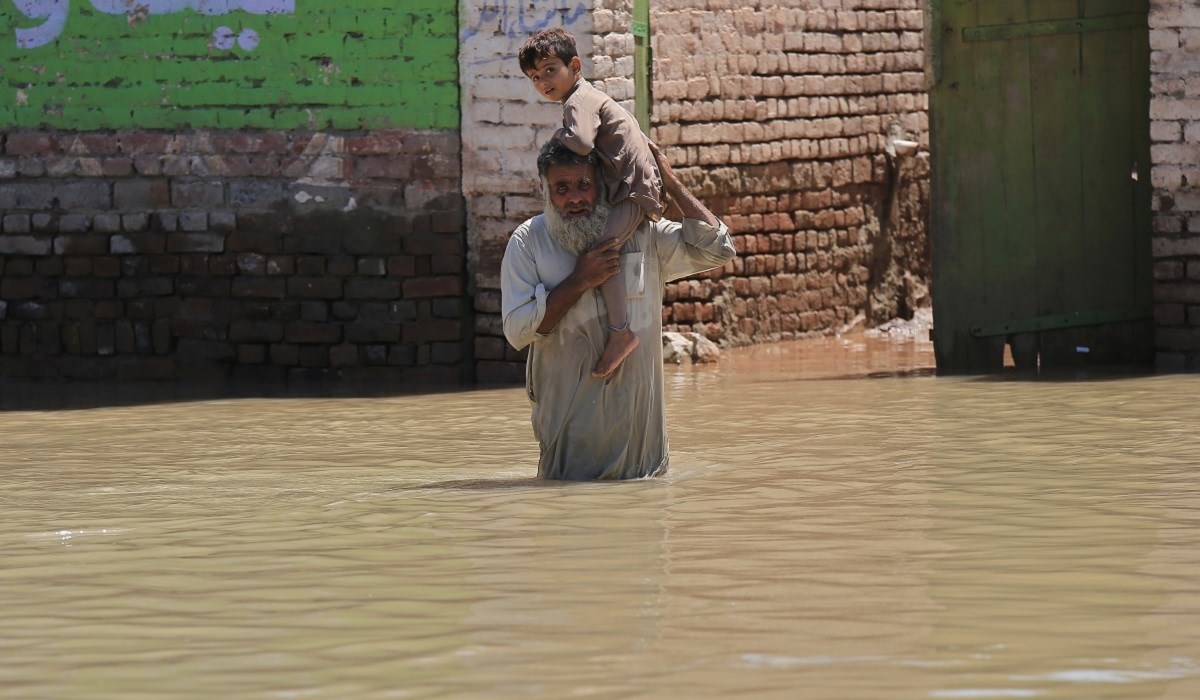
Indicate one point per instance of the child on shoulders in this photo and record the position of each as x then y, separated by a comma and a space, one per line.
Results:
593, 121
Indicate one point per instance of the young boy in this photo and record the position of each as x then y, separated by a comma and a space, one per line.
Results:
593, 121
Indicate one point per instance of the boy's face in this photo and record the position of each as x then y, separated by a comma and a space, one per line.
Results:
552, 78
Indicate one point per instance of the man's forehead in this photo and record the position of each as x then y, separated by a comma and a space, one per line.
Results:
569, 172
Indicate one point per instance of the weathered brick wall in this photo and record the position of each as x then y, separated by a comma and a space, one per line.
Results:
271, 189
777, 114
149, 255
1175, 152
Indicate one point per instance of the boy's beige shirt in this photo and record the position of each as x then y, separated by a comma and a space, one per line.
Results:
593, 120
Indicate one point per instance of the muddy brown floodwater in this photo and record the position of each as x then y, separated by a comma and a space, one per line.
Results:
837, 523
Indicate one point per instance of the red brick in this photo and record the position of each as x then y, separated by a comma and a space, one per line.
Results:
390, 168
259, 287
431, 331
343, 355
433, 287
249, 143
31, 143
145, 143
376, 142
263, 166
401, 265
93, 144
312, 332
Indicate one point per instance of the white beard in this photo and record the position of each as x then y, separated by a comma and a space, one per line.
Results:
577, 234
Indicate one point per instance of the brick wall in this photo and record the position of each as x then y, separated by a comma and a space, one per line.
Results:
270, 189
1175, 152
208, 255
776, 114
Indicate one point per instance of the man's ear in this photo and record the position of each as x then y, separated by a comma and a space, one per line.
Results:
576, 65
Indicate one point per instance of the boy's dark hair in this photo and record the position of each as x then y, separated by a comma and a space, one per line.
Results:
544, 43
555, 153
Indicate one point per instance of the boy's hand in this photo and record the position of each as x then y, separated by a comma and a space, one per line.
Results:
664, 168
682, 200
670, 184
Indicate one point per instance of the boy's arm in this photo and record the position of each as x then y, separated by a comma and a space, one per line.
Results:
689, 206
579, 128
700, 243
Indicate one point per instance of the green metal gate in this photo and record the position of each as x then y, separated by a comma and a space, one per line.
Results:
643, 62
1041, 194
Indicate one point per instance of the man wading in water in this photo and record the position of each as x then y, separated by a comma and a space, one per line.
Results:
588, 427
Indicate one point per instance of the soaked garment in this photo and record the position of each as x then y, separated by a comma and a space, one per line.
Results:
588, 428
593, 120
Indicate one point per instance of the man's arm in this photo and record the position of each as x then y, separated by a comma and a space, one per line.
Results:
592, 269
688, 205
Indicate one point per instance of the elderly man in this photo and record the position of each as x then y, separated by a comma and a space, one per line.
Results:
614, 427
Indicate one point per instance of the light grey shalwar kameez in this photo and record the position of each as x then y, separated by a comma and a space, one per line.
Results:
588, 428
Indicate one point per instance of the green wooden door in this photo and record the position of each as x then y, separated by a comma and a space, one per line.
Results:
643, 63
1041, 198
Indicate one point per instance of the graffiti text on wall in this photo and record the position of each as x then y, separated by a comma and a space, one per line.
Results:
512, 18
55, 13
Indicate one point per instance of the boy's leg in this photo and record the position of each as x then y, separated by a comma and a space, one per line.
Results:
623, 219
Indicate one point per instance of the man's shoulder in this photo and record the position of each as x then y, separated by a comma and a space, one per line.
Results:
532, 226
664, 226
528, 231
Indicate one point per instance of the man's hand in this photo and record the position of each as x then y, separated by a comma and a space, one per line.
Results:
598, 264
593, 268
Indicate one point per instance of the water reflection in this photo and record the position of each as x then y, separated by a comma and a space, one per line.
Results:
836, 523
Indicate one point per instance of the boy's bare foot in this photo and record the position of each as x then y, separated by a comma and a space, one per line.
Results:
619, 345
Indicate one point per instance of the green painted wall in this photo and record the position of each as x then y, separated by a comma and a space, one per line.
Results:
278, 64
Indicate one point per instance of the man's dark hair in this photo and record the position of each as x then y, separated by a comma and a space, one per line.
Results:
544, 43
555, 153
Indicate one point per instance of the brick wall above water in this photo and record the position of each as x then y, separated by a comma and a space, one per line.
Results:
1175, 151
775, 113
177, 203
208, 255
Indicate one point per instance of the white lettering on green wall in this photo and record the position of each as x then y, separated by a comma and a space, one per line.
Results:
55, 12
229, 64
